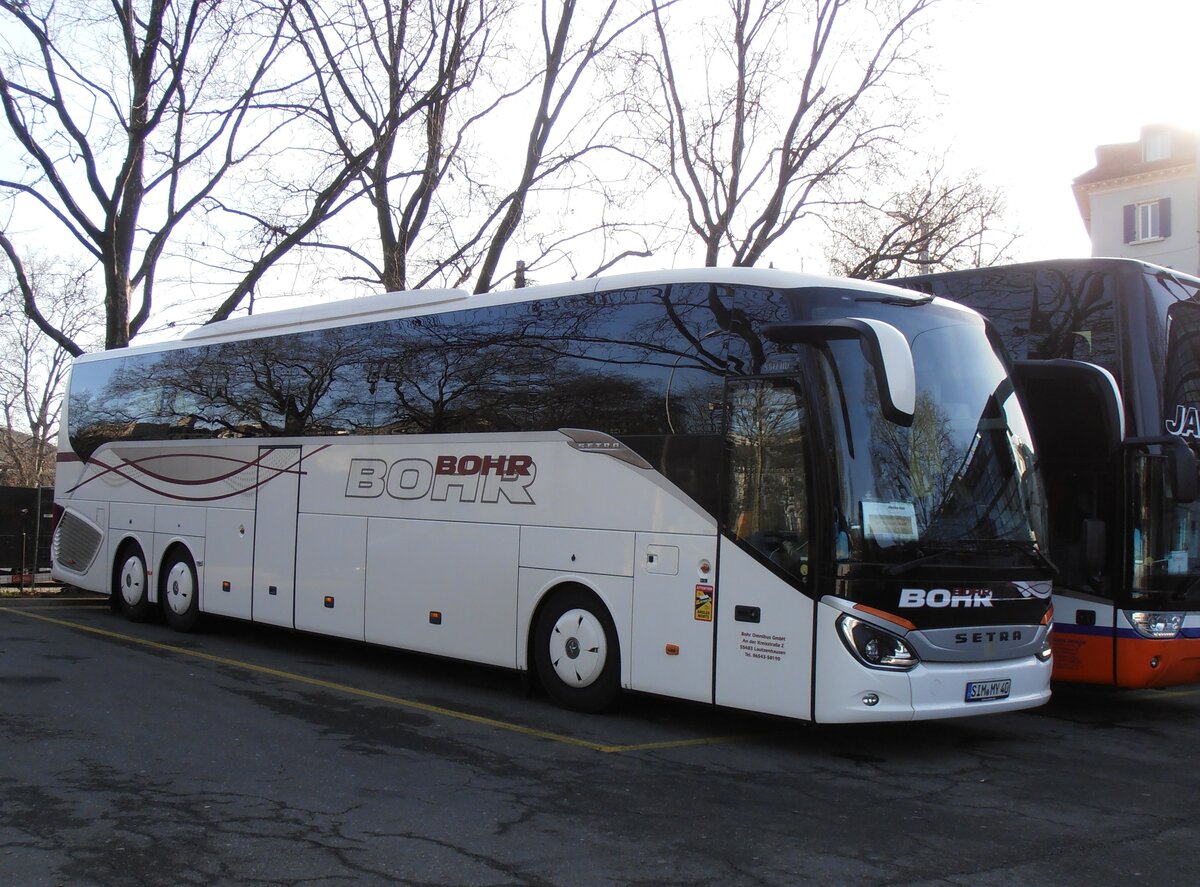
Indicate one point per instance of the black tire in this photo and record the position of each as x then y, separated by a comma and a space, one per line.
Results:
575, 651
130, 583
179, 592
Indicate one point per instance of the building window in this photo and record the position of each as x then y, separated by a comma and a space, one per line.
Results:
1156, 146
1147, 220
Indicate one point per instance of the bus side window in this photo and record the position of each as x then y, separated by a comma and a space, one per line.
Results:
768, 480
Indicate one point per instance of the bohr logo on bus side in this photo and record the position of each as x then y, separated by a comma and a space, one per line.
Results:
449, 479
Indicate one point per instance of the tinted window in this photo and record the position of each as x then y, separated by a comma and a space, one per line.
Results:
643, 364
1175, 303
632, 362
768, 475
1041, 312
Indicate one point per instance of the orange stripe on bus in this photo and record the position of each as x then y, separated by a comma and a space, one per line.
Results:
1142, 662
1082, 658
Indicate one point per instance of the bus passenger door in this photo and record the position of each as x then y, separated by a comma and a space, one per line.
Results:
765, 609
673, 607
275, 535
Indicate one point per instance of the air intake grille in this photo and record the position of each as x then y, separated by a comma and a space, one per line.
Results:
76, 542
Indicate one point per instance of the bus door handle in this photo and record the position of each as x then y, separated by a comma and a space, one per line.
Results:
747, 614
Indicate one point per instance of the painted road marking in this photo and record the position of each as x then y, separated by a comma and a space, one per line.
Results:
381, 697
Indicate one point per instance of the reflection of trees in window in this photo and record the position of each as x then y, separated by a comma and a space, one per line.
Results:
94, 414
641, 362
309, 383
1182, 386
918, 464
1042, 313
648, 362
957, 491
768, 490
444, 374
606, 361
1072, 313
766, 459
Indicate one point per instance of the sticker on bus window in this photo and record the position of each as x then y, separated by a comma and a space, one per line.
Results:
1177, 563
704, 603
889, 523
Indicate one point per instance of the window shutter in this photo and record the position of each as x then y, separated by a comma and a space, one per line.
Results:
1164, 217
1130, 234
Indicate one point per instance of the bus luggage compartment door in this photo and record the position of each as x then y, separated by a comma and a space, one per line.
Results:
673, 615
275, 535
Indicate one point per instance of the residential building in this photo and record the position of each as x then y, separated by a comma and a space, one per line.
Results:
1142, 199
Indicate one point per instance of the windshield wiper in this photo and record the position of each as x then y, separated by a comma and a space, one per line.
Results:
974, 546
1185, 592
926, 555
1028, 549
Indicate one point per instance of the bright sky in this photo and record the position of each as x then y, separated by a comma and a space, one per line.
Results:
1033, 86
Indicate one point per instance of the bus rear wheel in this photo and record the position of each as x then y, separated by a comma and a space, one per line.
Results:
180, 592
132, 593
576, 653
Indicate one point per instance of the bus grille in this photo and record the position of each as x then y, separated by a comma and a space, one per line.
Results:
76, 543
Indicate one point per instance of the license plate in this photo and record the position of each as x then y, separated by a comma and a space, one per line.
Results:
979, 691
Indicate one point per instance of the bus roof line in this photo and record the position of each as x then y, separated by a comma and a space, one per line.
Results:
392, 305
323, 312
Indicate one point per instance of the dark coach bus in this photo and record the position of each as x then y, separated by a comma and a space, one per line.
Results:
1108, 356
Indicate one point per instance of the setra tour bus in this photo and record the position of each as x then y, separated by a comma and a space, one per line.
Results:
780, 493
1108, 354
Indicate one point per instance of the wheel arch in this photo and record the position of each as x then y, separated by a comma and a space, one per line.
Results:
608, 598
179, 551
168, 550
118, 549
165, 546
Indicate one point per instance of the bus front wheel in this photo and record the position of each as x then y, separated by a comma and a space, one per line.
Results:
576, 653
179, 592
132, 594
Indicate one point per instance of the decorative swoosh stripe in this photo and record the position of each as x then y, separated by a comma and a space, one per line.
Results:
127, 469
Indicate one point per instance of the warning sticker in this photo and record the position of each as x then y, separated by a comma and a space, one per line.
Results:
704, 603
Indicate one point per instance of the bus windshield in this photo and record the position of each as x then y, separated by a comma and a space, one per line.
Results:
1166, 538
1166, 532
957, 486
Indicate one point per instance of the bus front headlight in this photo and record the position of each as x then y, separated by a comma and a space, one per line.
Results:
874, 647
1047, 650
1158, 626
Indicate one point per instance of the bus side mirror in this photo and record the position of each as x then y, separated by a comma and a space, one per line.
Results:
884, 346
1181, 464
1095, 543
1183, 473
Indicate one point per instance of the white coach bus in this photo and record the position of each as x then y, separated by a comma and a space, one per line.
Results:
758, 489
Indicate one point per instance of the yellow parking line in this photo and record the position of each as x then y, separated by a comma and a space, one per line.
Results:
378, 697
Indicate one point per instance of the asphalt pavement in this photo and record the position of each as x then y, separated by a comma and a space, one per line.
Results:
133, 755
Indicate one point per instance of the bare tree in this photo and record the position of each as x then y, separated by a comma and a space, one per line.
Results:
371, 69
390, 76
565, 63
768, 108
936, 224
425, 84
127, 117
33, 367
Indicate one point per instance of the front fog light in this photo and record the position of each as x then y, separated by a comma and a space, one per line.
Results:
1160, 626
875, 647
